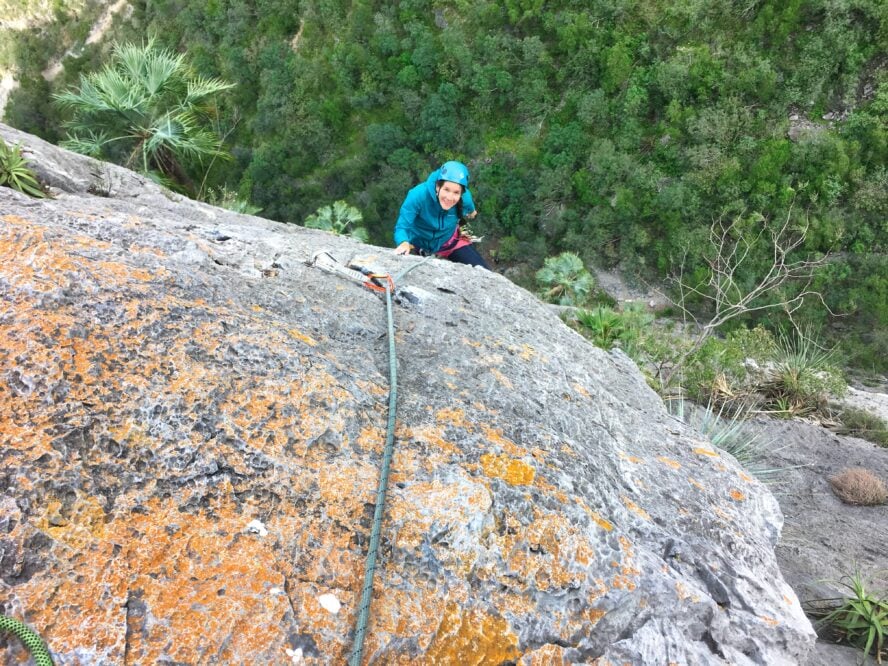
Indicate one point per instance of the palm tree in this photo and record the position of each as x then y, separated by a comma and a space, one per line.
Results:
147, 110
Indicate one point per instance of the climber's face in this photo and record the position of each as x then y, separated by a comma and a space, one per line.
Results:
448, 194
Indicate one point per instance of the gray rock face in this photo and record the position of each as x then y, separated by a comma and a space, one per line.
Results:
193, 425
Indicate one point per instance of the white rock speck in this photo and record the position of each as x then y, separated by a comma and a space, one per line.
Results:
256, 527
329, 603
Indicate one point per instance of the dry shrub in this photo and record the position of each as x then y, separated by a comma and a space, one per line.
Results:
856, 485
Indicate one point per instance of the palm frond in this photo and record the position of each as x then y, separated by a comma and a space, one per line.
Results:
116, 90
86, 100
150, 97
164, 69
201, 86
89, 143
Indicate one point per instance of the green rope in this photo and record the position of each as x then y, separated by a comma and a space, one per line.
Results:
370, 569
398, 277
28, 637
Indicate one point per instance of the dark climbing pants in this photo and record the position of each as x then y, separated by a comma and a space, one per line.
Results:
468, 255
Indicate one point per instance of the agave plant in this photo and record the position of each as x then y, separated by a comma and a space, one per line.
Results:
340, 219
146, 110
14, 171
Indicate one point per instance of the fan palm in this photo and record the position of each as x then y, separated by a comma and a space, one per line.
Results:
147, 110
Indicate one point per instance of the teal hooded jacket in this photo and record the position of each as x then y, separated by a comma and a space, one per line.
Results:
422, 222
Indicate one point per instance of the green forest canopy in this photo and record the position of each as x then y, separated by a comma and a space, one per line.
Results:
619, 130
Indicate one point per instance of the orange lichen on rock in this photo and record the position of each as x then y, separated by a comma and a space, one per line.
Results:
706, 452
696, 484
674, 464
472, 637
606, 525
634, 508
204, 586
311, 342
511, 470
498, 440
548, 655
736, 495
76, 525
431, 436
400, 613
623, 582
344, 489
502, 379
548, 554
455, 416
633, 459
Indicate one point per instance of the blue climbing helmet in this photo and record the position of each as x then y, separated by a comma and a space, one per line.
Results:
455, 172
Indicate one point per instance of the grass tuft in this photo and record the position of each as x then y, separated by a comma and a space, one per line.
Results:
863, 424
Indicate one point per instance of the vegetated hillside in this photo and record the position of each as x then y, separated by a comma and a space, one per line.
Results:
619, 130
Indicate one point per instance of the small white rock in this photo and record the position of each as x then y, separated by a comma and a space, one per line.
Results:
275, 591
295, 655
329, 603
257, 527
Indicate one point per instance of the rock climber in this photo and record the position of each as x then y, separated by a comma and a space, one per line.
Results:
432, 216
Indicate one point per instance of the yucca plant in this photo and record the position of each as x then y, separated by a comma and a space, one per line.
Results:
14, 171
564, 280
803, 374
147, 110
340, 219
728, 432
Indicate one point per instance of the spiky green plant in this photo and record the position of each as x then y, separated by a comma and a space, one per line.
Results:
147, 110
225, 198
803, 375
604, 325
728, 431
607, 327
564, 280
340, 219
14, 171
860, 618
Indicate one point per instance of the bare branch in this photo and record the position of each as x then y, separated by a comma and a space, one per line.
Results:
731, 247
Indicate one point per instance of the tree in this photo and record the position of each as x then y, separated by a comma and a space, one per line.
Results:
733, 288
148, 110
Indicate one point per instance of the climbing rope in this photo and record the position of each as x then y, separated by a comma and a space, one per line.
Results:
370, 567
28, 637
410, 268
384, 283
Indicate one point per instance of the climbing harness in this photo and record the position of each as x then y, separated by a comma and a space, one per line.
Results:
29, 638
384, 283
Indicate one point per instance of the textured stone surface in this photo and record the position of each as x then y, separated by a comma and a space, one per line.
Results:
193, 421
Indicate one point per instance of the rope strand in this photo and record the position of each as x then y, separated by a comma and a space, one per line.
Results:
370, 568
